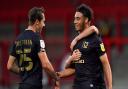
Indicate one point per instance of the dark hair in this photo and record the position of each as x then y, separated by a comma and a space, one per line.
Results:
35, 13
86, 11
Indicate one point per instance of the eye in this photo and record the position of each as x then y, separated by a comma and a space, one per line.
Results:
77, 18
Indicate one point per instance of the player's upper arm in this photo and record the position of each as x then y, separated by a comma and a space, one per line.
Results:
11, 61
104, 59
43, 58
42, 53
99, 46
40, 47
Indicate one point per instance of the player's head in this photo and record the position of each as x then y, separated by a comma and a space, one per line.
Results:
36, 18
82, 17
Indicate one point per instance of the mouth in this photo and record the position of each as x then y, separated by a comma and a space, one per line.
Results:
44, 28
76, 26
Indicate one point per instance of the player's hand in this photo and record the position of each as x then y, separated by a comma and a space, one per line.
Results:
76, 55
57, 85
58, 74
73, 43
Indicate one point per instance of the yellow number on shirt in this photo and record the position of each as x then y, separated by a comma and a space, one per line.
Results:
24, 58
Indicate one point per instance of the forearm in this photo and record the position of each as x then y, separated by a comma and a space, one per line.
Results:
108, 76
107, 70
87, 32
66, 73
51, 72
68, 62
47, 65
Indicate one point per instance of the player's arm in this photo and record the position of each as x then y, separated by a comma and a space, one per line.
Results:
69, 69
12, 66
85, 33
66, 72
107, 70
47, 65
74, 57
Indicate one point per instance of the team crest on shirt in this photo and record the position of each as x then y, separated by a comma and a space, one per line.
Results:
85, 44
102, 47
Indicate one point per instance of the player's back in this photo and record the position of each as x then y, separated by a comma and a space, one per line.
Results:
26, 48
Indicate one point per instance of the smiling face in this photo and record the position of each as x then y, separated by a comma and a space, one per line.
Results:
36, 19
80, 21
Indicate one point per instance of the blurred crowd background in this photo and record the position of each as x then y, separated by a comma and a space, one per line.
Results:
110, 16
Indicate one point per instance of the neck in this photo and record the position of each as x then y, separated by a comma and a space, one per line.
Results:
31, 28
85, 28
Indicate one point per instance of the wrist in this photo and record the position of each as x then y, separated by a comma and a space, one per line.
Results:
57, 78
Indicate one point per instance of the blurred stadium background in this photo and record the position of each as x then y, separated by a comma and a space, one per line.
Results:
110, 16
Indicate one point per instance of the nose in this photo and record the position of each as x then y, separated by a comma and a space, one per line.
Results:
75, 21
43, 25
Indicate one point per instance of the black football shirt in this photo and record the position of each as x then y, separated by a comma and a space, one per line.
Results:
25, 49
89, 67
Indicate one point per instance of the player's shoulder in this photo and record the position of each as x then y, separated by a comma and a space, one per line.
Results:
95, 37
36, 36
20, 36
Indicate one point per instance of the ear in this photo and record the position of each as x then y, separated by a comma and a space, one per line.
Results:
86, 20
37, 22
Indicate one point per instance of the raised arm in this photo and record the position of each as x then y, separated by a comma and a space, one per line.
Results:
85, 33
107, 70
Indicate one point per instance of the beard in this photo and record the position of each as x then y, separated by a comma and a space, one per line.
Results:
82, 27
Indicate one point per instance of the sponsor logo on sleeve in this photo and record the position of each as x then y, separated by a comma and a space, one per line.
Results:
102, 47
42, 44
